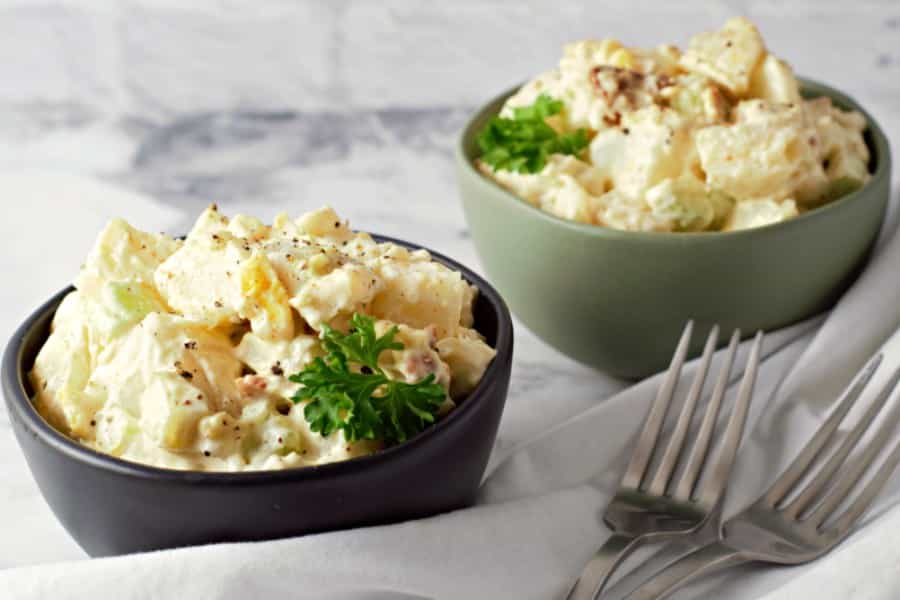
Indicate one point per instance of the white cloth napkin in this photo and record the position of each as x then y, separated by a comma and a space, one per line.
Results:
538, 518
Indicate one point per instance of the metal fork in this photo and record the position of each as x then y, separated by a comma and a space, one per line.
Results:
652, 506
782, 529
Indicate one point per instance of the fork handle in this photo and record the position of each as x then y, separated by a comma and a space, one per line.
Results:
708, 559
596, 573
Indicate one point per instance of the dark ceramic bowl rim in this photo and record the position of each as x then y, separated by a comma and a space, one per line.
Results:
879, 149
13, 387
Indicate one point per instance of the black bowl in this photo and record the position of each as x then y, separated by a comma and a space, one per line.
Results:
111, 506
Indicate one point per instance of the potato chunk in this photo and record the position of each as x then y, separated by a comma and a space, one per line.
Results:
420, 294
769, 152
774, 81
727, 56
467, 357
758, 213
340, 293
202, 279
62, 369
123, 253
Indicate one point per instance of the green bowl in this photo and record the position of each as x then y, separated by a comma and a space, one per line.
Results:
618, 300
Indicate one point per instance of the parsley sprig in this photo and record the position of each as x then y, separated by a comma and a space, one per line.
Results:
363, 402
523, 143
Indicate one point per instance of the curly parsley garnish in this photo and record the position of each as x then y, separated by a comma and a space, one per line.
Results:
363, 402
523, 143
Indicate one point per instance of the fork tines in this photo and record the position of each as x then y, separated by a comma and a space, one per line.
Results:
716, 471
809, 505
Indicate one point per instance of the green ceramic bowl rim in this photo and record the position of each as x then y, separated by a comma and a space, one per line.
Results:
880, 149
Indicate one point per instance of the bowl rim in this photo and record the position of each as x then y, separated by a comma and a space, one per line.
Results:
879, 148
14, 389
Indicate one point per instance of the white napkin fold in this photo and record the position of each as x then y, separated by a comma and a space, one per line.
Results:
538, 518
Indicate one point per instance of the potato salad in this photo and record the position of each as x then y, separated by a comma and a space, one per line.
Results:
249, 346
715, 137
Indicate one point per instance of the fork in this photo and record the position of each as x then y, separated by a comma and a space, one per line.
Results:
652, 506
786, 529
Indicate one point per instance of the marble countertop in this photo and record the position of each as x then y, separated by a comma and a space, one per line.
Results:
150, 110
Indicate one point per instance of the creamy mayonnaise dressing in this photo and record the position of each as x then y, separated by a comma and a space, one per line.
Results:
177, 353
713, 138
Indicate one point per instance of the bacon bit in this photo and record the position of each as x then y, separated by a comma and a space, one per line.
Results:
595, 81
251, 385
276, 369
190, 345
663, 81
217, 304
624, 82
614, 120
